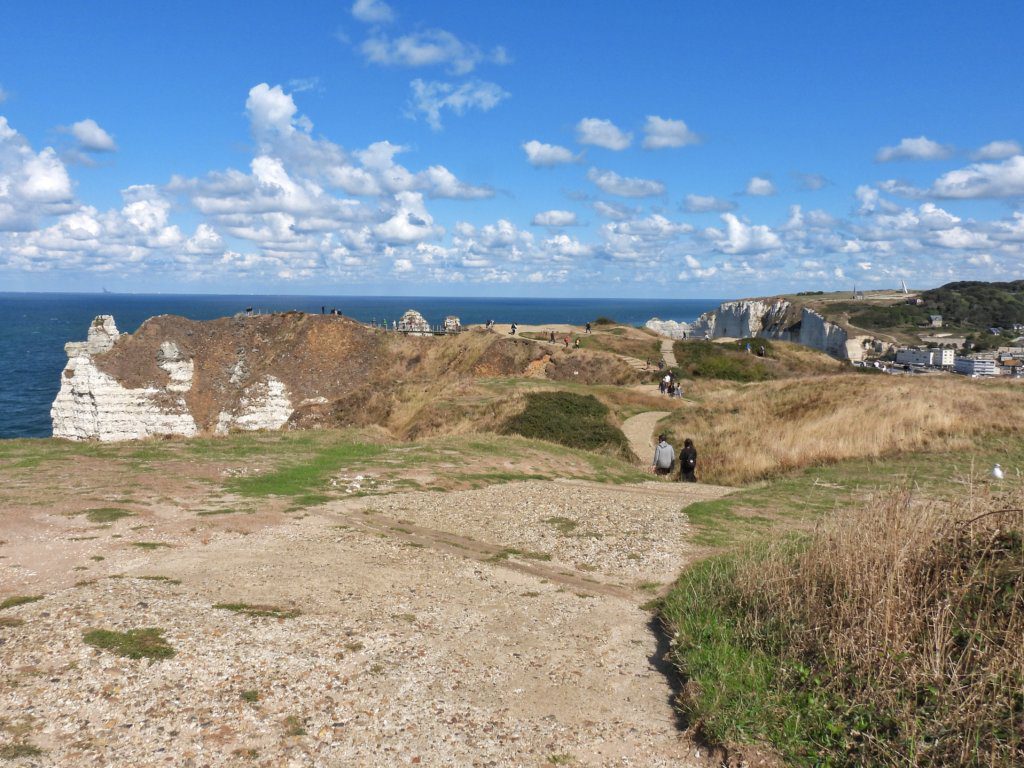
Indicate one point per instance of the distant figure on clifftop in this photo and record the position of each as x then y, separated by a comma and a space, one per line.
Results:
588, 327
688, 462
514, 329
577, 342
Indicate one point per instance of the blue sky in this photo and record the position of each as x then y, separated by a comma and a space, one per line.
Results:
490, 148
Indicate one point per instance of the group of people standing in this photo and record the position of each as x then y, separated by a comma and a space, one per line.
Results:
665, 459
669, 386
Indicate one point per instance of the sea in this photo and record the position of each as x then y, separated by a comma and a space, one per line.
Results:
35, 326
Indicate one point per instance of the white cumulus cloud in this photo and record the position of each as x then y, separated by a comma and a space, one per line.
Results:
1005, 179
602, 133
921, 148
740, 237
554, 219
429, 47
998, 150
706, 204
91, 137
373, 11
623, 186
542, 155
430, 98
660, 133
760, 187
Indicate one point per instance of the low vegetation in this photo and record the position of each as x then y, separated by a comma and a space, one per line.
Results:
707, 360
15, 600
105, 514
570, 419
259, 611
891, 635
148, 643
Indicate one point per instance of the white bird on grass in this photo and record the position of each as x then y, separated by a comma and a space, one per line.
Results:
997, 472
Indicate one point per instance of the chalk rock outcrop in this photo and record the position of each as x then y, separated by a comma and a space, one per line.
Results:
93, 404
770, 319
670, 328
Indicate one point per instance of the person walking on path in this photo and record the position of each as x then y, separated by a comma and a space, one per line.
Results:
588, 327
577, 342
664, 457
514, 329
688, 462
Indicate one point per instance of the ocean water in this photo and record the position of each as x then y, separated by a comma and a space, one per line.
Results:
34, 328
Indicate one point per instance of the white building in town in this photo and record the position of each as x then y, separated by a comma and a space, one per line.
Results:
933, 358
976, 366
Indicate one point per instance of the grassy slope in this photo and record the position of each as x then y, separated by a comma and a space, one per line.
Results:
826, 446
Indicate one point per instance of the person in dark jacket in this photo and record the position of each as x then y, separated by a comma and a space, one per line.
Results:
688, 462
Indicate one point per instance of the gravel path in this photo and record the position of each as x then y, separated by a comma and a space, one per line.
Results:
492, 627
668, 353
639, 430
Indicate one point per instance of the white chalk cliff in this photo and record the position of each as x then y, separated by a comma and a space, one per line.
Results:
770, 319
92, 404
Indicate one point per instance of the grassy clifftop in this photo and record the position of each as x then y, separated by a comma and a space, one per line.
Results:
967, 306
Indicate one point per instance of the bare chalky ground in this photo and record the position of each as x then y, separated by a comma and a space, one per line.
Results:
497, 627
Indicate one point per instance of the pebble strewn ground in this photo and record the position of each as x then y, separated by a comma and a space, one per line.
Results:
408, 649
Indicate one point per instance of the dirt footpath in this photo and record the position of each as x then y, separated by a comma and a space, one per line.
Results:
493, 627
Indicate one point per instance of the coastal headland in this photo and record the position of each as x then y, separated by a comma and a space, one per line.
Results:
297, 539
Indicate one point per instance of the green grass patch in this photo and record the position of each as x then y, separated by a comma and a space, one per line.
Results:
306, 474
570, 419
563, 525
739, 692
150, 545
10, 621
707, 360
148, 643
251, 696
105, 514
11, 602
259, 611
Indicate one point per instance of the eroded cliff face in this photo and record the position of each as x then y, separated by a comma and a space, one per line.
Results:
176, 376
180, 377
770, 319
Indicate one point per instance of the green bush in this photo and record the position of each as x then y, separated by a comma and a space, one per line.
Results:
707, 360
577, 421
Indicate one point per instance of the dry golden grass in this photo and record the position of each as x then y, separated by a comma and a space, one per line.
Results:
916, 611
749, 432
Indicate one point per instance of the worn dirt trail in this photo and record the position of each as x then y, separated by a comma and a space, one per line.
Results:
491, 627
639, 430
668, 353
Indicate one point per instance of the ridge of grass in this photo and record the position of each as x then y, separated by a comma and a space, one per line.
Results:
260, 610
15, 600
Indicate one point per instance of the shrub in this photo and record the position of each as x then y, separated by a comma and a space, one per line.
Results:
577, 421
602, 320
891, 636
705, 359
